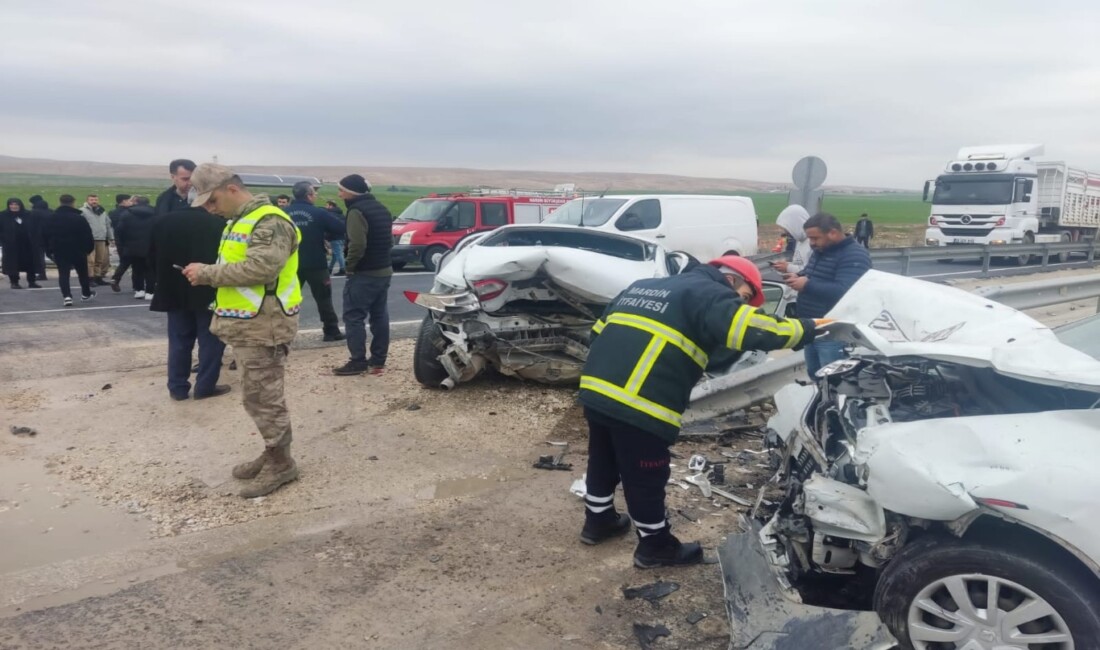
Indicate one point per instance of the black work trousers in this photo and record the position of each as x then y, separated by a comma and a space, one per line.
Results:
320, 285
143, 277
640, 460
64, 267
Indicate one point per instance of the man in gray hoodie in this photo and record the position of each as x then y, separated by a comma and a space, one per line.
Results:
99, 260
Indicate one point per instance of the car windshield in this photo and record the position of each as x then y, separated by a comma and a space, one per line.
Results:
585, 212
1083, 335
621, 247
958, 191
425, 210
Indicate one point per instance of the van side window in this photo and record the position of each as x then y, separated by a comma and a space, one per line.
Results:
460, 216
494, 214
643, 215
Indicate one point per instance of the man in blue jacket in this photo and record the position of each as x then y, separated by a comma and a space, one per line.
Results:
316, 224
837, 262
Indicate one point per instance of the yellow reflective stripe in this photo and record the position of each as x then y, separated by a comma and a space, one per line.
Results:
645, 365
598, 327
686, 345
635, 402
797, 333
738, 326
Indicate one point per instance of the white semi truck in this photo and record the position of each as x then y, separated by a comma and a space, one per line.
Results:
998, 194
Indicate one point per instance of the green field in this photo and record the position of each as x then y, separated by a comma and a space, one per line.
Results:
899, 209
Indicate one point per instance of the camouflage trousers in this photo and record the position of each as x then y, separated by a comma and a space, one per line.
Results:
262, 369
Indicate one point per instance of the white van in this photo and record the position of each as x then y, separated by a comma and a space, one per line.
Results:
703, 226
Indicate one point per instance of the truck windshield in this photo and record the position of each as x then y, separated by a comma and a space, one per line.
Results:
585, 212
425, 210
958, 191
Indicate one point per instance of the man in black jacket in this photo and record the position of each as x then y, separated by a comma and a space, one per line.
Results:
134, 238
180, 238
316, 224
41, 211
69, 241
175, 197
648, 350
370, 238
865, 230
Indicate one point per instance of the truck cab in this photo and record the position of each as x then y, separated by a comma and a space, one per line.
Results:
985, 196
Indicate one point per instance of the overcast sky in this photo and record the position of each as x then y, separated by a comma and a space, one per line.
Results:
884, 91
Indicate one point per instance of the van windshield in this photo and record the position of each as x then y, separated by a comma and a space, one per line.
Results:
425, 210
585, 212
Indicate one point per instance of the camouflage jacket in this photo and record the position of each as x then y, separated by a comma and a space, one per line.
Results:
271, 245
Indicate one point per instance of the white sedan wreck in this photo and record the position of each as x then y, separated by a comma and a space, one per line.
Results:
947, 472
522, 300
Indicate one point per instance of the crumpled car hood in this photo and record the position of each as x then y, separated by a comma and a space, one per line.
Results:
897, 316
593, 277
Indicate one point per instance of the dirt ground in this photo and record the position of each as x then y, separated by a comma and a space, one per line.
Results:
886, 236
418, 521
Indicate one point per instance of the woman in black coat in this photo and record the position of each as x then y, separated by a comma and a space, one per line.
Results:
21, 239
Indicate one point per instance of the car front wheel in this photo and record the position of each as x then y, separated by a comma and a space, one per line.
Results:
945, 594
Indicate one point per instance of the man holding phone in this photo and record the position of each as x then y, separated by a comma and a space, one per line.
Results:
837, 263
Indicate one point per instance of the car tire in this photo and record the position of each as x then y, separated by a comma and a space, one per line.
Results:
925, 569
397, 266
429, 345
1024, 260
432, 256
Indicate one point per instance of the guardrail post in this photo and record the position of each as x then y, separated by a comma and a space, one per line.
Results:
987, 258
1092, 253
907, 257
1046, 255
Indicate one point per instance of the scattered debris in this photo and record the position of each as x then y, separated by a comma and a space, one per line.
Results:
685, 515
718, 474
697, 463
580, 486
412, 407
695, 617
554, 462
106, 387
599, 610
647, 634
372, 457
23, 431
651, 592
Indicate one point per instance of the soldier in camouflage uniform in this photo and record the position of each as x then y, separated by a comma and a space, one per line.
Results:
261, 336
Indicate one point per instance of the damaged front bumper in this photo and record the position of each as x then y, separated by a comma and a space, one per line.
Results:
766, 616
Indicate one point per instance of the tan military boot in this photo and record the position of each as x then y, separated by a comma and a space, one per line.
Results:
251, 468
279, 470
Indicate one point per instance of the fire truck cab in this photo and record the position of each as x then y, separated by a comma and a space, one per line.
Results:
432, 225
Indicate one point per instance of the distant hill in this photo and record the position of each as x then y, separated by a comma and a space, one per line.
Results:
420, 176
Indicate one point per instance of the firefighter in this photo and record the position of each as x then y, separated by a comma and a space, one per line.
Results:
648, 350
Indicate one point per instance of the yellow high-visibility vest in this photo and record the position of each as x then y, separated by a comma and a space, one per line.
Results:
245, 302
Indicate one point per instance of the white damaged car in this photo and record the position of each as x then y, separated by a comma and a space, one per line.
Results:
949, 468
522, 300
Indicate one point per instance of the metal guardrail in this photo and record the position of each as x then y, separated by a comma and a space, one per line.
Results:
1047, 254
1043, 293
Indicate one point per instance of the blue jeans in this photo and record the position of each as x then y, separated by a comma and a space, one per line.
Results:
821, 353
337, 256
366, 297
184, 328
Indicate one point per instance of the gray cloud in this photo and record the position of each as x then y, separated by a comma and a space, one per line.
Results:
883, 91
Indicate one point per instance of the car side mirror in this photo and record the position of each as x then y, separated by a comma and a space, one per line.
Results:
927, 186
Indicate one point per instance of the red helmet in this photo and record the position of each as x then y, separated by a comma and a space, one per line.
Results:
747, 270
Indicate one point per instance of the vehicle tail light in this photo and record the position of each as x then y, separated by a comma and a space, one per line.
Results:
1001, 221
411, 296
489, 289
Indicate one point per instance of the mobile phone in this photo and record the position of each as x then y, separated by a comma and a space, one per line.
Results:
177, 266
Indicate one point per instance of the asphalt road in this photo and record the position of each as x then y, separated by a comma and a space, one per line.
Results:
29, 317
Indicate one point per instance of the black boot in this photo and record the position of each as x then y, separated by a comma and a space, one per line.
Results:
15, 284
604, 528
665, 550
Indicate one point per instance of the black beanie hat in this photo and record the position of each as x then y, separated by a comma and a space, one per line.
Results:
355, 184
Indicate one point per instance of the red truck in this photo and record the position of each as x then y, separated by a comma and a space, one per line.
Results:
431, 226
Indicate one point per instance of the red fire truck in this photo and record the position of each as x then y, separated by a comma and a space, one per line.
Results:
431, 226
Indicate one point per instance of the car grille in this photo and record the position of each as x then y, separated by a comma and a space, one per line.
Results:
965, 232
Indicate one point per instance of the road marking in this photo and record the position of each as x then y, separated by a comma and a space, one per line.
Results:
76, 307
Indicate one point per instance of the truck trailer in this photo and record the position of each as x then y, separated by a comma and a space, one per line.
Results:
998, 194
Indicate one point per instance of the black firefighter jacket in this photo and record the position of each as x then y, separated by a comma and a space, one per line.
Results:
654, 341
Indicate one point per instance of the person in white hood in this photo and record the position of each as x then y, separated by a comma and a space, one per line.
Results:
793, 219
